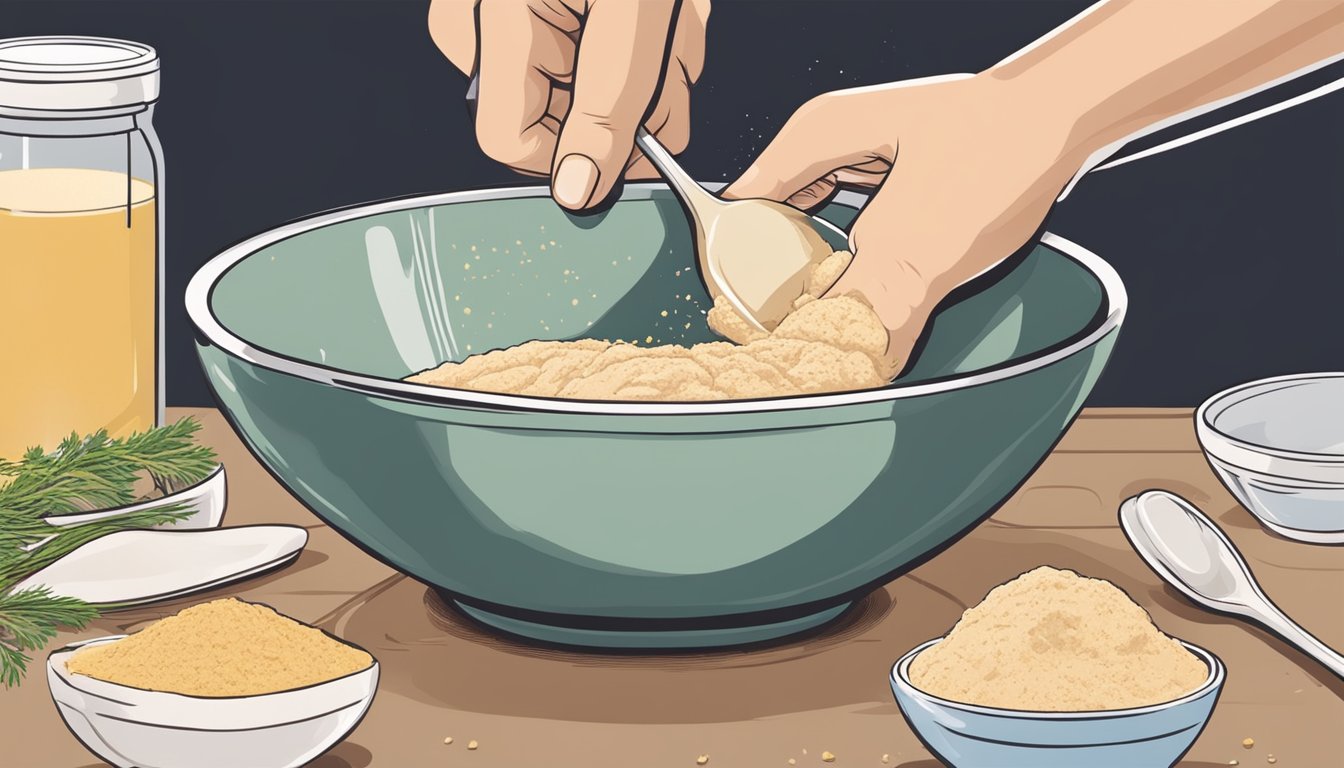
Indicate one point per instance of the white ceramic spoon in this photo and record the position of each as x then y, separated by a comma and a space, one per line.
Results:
1193, 555
137, 567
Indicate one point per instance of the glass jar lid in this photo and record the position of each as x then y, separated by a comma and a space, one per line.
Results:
75, 74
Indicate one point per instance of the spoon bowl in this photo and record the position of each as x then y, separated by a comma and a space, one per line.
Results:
756, 254
1192, 554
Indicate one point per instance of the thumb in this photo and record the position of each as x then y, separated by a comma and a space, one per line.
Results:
619, 70
820, 138
899, 290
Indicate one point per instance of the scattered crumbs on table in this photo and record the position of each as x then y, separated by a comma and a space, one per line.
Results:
472, 744
1271, 759
1248, 742
886, 759
1234, 762
792, 761
447, 739
827, 757
701, 760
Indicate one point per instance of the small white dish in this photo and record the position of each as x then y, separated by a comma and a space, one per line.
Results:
135, 728
973, 736
205, 501
1278, 446
137, 567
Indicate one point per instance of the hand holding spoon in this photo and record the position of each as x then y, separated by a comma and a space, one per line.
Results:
1190, 553
757, 254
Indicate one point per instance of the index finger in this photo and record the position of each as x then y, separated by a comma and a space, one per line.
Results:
621, 61
518, 50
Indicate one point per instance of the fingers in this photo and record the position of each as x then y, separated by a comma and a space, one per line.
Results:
521, 55
898, 297
828, 133
620, 61
670, 119
814, 194
896, 267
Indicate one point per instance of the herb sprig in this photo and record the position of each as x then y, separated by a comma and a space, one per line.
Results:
88, 473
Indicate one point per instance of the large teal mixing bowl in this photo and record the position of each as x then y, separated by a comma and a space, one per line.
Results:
638, 525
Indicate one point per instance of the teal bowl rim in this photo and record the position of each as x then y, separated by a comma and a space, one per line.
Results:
900, 676
202, 285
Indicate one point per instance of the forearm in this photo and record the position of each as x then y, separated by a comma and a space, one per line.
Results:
1125, 65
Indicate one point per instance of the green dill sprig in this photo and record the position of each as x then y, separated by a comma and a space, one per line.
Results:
94, 472
30, 619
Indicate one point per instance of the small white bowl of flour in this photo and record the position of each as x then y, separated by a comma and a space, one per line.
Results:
1056, 669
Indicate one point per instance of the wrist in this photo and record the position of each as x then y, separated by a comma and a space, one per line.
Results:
1060, 122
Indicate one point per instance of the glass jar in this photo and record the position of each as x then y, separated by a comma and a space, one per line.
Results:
81, 267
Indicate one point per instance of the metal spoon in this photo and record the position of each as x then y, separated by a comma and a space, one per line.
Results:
757, 254
1193, 555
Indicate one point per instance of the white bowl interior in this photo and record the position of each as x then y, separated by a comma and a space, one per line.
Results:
1301, 415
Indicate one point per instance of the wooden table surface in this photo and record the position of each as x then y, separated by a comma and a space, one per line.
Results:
827, 691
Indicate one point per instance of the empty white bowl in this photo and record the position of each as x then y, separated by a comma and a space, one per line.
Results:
1278, 446
135, 728
972, 736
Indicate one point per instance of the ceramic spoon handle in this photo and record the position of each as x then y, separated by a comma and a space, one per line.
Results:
1289, 630
691, 193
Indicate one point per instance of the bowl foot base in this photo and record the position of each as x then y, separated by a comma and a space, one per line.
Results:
651, 639
1301, 534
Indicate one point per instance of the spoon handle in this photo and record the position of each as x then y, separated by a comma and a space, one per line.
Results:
690, 192
1278, 622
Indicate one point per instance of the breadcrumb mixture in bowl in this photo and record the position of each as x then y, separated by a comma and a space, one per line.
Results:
1053, 641
1057, 670
832, 344
225, 647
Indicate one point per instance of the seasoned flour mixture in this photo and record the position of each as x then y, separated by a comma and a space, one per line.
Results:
825, 345
1054, 641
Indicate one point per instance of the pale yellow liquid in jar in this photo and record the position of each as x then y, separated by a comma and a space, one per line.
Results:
77, 306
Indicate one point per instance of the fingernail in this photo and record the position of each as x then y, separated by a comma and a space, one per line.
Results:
575, 179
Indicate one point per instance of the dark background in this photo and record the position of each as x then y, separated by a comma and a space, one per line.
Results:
1232, 249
